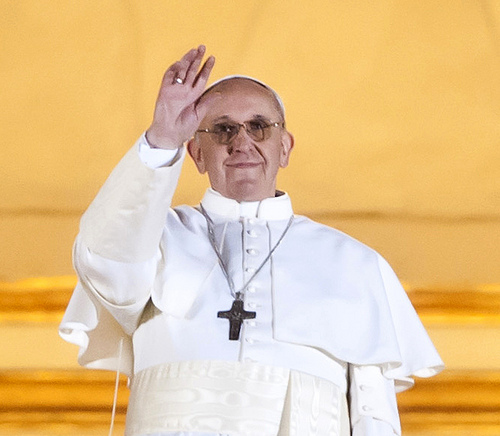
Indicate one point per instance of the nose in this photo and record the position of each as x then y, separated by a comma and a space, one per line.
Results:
241, 143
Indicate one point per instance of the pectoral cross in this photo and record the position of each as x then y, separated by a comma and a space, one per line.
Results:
236, 316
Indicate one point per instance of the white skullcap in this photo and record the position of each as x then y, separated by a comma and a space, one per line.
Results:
238, 76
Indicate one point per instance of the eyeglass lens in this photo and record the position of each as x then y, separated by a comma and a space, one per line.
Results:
258, 130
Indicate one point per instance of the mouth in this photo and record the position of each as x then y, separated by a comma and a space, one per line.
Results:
243, 165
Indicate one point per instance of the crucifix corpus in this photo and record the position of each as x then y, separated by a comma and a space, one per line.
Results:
236, 316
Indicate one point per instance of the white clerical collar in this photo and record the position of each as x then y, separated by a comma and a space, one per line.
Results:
272, 208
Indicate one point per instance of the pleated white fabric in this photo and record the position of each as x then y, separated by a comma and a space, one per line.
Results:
215, 398
314, 406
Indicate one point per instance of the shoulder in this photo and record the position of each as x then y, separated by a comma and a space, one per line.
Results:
185, 212
331, 239
187, 217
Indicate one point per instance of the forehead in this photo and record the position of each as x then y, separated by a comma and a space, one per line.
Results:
243, 98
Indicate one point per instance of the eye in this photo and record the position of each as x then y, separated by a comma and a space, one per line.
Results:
226, 128
225, 132
257, 125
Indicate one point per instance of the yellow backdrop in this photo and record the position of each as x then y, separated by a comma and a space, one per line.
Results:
394, 104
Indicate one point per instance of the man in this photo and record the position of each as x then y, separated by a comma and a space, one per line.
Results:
235, 317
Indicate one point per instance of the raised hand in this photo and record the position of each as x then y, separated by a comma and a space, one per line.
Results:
176, 115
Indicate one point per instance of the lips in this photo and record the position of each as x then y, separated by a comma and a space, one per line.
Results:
244, 164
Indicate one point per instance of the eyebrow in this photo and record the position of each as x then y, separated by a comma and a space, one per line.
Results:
228, 118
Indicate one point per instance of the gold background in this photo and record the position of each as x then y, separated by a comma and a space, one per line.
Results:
395, 107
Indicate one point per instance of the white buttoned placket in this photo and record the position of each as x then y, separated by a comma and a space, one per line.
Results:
258, 227
258, 296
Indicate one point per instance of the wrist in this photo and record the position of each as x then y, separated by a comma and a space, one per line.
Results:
154, 141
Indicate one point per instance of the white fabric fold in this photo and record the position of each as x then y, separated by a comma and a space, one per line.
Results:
373, 406
119, 236
361, 313
136, 197
97, 333
243, 399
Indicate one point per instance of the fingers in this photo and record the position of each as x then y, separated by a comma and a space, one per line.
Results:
169, 76
182, 67
185, 71
194, 65
202, 77
178, 69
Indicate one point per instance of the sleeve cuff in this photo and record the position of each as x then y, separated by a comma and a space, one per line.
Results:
156, 157
373, 400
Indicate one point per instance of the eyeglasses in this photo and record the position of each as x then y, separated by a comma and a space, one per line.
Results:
258, 130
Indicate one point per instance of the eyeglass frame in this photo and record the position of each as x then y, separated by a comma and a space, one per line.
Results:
244, 125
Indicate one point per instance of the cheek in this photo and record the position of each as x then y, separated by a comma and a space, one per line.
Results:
214, 164
275, 157
213, 157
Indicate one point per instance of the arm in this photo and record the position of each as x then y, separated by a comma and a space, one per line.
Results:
117, 249
373, 406
125, 221
116, 252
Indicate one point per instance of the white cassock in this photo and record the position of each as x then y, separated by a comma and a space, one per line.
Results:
330, 312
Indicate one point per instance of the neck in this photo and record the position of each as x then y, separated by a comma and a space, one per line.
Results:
273, 208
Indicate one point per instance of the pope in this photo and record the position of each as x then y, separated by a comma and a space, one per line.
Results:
236, 316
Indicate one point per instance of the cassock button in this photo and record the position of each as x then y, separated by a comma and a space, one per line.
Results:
250, 270
251, 289
252, 233
367, 408
252, 251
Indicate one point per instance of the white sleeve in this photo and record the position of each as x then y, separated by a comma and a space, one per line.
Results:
116, 256
373, 405
156, 157
123, 289
117, 249
127, 217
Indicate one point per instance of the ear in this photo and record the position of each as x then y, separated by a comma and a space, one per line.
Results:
287, 143
194, 150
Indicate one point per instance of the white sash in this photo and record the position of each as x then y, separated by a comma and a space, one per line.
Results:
234, 398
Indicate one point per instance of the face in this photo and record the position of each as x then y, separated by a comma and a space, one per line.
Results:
245, 169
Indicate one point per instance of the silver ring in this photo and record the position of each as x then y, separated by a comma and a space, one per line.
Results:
179, 80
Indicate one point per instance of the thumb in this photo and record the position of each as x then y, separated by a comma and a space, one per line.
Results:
202, 106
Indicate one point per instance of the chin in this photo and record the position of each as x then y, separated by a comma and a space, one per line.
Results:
250, 193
